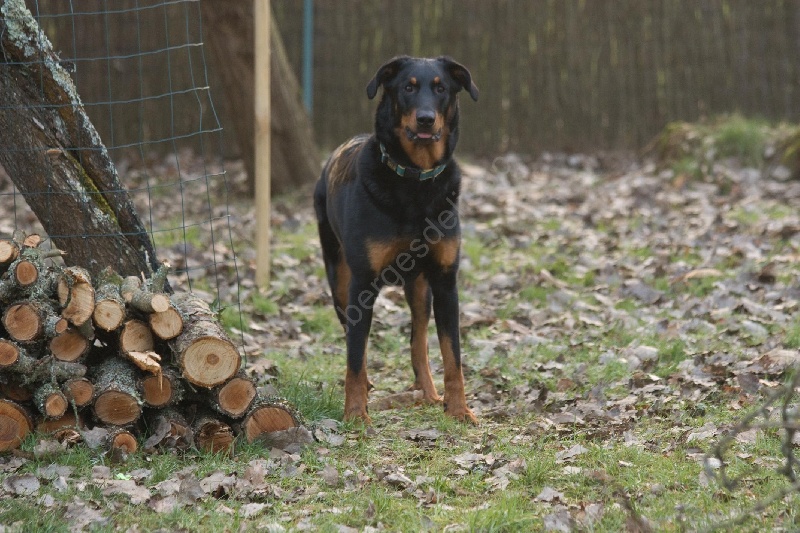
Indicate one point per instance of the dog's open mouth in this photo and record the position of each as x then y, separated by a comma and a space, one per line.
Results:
423, 136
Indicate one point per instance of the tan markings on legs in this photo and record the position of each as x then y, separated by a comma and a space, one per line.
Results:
445, 252
356, 390
455, 400
428, 155
420, 316
382, 253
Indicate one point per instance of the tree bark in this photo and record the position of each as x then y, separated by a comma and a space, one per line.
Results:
229, 34
117, 402
51, 146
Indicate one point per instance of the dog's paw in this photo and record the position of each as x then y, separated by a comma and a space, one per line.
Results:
358, 414
462, 414
429, 396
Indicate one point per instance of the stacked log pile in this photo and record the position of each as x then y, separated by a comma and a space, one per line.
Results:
120, 354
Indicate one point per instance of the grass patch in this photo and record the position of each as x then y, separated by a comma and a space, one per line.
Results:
792, 338
740, 137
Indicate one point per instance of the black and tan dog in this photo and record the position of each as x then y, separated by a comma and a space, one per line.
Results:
386, 205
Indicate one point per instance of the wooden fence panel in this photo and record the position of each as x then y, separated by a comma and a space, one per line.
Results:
553, 74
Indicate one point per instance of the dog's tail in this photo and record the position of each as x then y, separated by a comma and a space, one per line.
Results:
331, 249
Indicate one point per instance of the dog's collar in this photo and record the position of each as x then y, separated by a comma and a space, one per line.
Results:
410, 172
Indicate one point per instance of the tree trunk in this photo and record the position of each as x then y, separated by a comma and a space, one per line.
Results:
51, 146
229, 35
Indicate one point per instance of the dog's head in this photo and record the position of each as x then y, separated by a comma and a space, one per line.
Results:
419, 108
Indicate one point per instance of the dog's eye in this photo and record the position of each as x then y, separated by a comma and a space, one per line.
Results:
409, 88
440, 88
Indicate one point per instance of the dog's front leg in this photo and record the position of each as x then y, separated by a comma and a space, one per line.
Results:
358, 314
445, 311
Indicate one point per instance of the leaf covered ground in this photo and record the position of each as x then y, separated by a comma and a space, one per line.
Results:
619, 318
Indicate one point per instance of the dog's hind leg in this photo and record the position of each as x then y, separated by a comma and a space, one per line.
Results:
418, 296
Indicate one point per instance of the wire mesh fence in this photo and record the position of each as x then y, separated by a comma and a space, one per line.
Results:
134, 64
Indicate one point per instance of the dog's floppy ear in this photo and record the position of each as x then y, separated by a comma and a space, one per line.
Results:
387, 71
460, 73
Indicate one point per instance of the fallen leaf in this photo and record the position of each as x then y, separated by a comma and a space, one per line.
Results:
292, 439
571, 453
393, 401
330, 475
21, 485
560, 520
249, 510
163, 504
128, 487
100, 472
549, 495
79, 515
398, 479
48, 448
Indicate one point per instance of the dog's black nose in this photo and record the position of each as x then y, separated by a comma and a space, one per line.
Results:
425, 119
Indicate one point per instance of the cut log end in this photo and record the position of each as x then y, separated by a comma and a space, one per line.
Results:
8, 251
156, 390
124, 441
108, 315
235, 397
212, 435
15, 424
116, 408
159, 303
50, 426
16, 392
266, 419
80, 391
9, 353
23, 322
210, 361
136, 337
167, 324
69, 346
26, 273
76, 295
55, 405
33, 240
